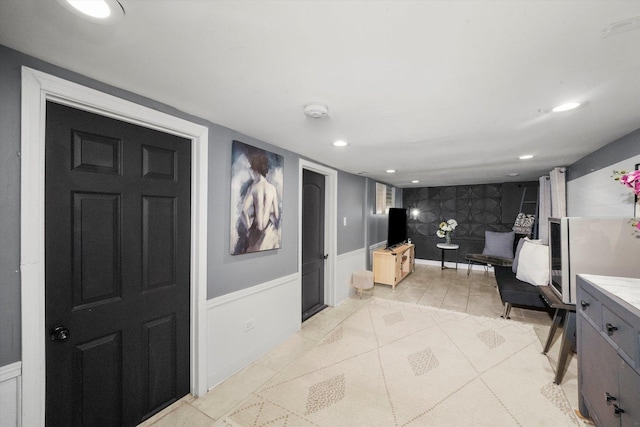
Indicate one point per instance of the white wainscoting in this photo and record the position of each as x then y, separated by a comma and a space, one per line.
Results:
346, 264
245, 325
10, 392
598, 195
374, 247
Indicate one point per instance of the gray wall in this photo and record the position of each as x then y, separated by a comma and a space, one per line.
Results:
9, 208
226, 273
351, 205
617, 151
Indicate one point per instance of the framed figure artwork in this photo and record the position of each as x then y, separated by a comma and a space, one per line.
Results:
257, 178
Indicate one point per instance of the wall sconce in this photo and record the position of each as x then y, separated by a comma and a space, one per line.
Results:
415, 213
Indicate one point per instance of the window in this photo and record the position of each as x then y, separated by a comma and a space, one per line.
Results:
385, 198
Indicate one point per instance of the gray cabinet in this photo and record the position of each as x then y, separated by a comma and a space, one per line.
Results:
608, 332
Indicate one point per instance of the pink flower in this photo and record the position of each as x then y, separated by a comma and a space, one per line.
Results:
632, 180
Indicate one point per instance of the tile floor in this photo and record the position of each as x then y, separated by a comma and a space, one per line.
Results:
429, 285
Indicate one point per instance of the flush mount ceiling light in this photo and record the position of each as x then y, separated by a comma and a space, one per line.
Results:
390, 171
100, 11
415, 181
340, 143
316, 111
513, 174
526, 157
566, 107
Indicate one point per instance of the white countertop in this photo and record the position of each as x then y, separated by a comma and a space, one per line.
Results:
625, 288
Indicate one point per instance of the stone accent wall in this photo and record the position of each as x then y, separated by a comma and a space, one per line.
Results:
477, 208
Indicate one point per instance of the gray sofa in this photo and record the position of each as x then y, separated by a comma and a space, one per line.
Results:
498, 252
516, 292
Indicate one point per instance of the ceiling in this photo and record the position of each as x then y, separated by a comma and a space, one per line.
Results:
444, 92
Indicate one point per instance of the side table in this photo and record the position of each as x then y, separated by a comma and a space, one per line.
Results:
447, 247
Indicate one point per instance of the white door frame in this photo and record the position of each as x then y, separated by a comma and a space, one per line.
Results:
37, 89
330, 226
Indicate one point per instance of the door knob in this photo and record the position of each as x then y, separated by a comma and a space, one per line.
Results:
617, 410
325, 256
59, 333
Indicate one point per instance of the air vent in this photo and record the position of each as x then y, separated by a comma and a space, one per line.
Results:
621, 27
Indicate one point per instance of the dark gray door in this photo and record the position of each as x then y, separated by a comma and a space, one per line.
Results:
117, 249
313, 251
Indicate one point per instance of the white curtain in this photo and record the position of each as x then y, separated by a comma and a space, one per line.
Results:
553, 201
544, 209
558, 193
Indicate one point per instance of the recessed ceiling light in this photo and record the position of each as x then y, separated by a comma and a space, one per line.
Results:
415, 181
566, 107
340, 143
391, 171
102, 11
96, 9
526, 157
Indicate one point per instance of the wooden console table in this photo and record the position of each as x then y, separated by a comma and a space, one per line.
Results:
390, 266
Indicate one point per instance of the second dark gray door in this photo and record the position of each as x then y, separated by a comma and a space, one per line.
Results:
313, 250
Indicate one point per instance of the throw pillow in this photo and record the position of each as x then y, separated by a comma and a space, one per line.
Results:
498, 244
533, 264
514, 267
524, 223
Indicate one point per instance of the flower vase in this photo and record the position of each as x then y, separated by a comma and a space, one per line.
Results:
447, 238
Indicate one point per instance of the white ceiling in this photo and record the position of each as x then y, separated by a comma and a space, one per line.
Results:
446, 92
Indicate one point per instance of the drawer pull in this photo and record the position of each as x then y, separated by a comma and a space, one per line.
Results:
584, 304
617, 410
611, 329
608, 397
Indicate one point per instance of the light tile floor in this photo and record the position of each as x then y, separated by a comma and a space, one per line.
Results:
429, 285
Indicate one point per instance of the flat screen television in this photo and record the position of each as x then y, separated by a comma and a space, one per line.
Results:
397, 227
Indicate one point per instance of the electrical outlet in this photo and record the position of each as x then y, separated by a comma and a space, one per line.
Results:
249, 324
